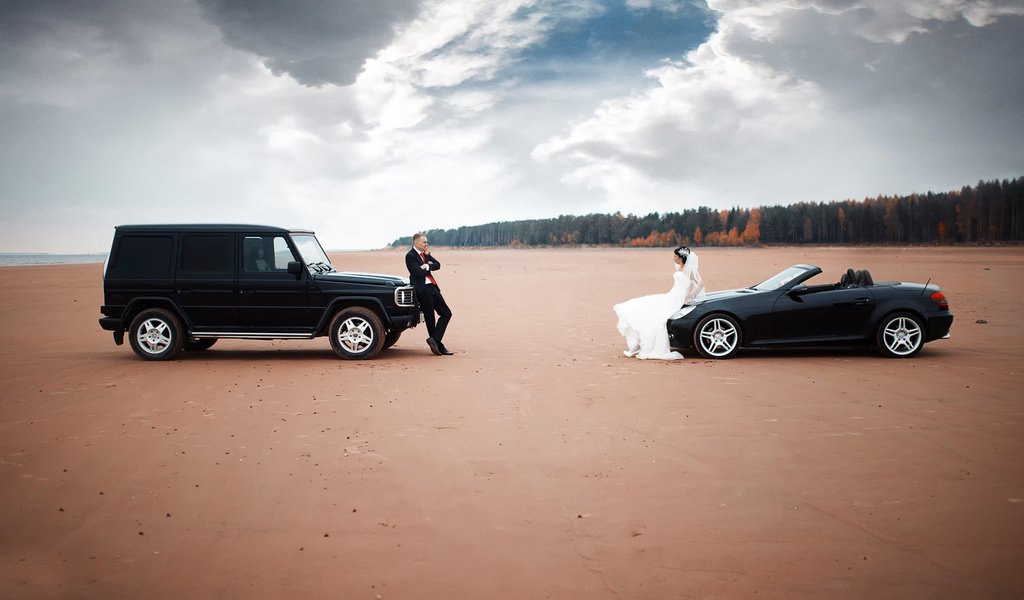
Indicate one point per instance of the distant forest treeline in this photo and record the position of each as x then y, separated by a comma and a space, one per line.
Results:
990, 212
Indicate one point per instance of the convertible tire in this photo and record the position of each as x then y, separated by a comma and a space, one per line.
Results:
900, 335
357, 333
717, 336
391, 338
155, 334
197, 345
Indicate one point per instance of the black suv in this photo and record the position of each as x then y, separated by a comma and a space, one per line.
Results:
174, 287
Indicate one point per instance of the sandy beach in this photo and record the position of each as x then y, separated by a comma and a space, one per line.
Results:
537, 462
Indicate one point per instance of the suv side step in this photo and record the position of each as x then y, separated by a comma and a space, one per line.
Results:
236, 335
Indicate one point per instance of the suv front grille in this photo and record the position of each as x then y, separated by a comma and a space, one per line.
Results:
404, 296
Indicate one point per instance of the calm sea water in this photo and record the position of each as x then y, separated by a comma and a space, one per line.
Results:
14, 259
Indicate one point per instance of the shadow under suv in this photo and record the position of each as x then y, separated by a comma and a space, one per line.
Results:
173, 287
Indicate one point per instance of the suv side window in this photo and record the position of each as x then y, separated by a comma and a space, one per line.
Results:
143, 254
266, 254
207, 255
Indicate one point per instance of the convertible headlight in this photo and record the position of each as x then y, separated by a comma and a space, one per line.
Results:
682, 312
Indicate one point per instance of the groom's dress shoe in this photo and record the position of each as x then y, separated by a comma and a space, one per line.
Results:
433, 346
444, 350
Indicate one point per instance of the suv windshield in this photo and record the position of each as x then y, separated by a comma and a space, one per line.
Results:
312, 252
779, 280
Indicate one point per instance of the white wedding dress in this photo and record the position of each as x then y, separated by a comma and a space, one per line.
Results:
643, 320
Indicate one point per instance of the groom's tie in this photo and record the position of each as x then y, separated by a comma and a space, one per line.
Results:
423, 256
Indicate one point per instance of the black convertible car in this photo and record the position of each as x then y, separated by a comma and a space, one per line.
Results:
897, 317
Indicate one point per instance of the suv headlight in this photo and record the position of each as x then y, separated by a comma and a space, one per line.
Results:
404, 296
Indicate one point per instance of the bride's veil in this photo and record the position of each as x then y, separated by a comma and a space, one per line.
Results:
692, 276
691, 264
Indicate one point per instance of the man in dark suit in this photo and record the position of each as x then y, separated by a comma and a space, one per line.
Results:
421, 267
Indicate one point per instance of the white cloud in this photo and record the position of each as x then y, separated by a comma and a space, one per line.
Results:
710, 117
793, 101
387, 98
451, 43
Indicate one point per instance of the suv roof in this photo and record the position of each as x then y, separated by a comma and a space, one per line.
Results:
201, 227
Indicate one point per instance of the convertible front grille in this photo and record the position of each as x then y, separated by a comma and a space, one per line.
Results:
404, 296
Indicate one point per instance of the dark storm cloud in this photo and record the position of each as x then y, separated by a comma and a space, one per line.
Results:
951, 60
22, 20
315, 42
36, 33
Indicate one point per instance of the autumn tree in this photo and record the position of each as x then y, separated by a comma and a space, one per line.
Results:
752, 232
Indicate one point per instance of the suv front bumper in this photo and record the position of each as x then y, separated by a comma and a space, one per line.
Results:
405, 321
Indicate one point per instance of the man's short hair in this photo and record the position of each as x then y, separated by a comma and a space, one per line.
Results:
418, 236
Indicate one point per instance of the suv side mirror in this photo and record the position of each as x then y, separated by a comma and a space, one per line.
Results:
295, 268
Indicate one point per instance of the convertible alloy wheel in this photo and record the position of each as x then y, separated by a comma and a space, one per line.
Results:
900, 335
357, 333
717, 336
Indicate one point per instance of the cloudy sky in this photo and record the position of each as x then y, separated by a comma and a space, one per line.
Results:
367, 121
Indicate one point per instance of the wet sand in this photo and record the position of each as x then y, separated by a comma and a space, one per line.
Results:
538, 462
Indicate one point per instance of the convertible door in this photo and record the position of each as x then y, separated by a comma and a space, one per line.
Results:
825, 315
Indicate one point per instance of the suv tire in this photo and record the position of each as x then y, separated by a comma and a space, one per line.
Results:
155, 334
357, 333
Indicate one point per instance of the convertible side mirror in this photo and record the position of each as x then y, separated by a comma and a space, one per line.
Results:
295, 268
798, 290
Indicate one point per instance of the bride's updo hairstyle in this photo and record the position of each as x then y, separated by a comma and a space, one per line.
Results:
682, 252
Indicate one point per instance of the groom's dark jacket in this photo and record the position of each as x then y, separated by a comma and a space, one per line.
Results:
418, 276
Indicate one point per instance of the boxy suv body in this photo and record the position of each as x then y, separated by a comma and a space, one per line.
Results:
173, 287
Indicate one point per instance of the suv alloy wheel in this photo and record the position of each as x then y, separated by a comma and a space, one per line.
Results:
356, 333
155, 334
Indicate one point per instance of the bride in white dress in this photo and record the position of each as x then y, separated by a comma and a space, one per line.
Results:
643, 320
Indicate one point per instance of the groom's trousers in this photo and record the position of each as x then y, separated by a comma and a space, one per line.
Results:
431, 301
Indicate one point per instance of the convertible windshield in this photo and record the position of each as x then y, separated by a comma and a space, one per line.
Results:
779, 280
312, 252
